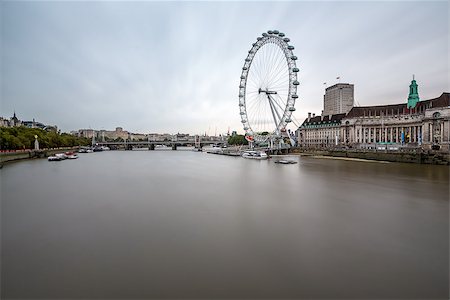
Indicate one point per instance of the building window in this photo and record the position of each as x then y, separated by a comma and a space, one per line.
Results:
436, 115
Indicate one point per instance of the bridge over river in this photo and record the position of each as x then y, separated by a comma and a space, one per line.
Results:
129, 145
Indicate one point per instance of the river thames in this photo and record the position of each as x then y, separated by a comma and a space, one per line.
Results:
182, 224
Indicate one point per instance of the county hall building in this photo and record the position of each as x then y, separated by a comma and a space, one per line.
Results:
413, 124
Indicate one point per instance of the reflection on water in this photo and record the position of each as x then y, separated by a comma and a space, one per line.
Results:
178, 224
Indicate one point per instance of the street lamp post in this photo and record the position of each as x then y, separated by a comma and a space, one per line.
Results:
36, 143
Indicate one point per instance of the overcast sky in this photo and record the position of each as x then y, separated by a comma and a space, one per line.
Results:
175, 66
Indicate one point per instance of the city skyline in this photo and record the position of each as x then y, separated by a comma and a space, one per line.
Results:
175, 67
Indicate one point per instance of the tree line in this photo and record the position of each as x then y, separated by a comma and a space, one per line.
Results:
16, 138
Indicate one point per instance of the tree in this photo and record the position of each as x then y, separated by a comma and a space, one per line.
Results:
237, 139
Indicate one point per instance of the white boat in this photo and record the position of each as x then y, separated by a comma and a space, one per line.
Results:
255, 154
161, 147
54, 158
285, 162
61, 156
105, 148
72, 156
216, 149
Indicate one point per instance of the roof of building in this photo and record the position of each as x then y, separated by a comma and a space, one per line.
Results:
399, 109
320, 120
339, 85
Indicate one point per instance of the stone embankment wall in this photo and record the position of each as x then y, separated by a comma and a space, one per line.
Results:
431, 157
21, 155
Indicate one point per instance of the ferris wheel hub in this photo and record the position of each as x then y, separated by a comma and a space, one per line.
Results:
267, 92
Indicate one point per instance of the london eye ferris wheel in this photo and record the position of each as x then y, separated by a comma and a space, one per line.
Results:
268, 87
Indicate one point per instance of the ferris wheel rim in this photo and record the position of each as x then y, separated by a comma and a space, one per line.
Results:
282, 42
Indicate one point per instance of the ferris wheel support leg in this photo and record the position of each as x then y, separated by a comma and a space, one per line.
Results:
273, 109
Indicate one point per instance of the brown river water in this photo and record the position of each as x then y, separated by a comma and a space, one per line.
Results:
182, 224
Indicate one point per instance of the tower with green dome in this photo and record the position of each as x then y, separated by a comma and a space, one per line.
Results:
413, 97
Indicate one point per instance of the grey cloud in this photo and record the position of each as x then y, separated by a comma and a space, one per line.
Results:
175, 66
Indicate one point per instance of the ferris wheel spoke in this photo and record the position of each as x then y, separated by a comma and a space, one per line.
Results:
279, 73
252, 92
278, 69
260, 115
274, 69
255, 83
270, 58
255, 72
255, 116
282, 83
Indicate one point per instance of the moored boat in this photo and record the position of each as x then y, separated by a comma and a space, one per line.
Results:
255, 154
215, 150
61, 156
285, 162
161, 146
54, 158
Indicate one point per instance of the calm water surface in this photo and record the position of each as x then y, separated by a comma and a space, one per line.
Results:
181, 224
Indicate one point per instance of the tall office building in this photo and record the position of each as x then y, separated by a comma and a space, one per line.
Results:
338, 99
